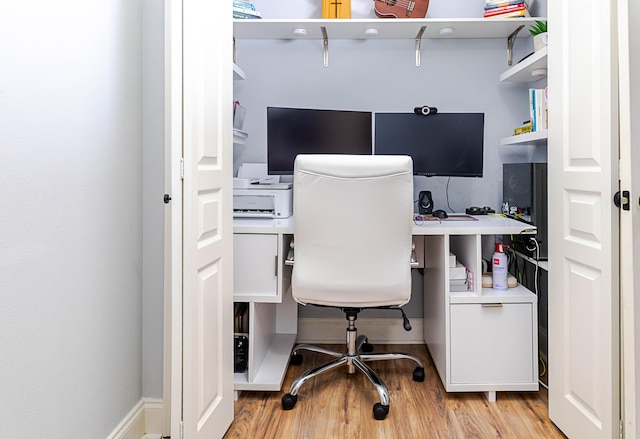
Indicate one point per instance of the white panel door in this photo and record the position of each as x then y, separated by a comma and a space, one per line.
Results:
207, 364
584, 353
629, 42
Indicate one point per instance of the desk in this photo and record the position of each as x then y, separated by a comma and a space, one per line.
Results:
480, 340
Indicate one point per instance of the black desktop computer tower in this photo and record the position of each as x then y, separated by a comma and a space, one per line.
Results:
524, 194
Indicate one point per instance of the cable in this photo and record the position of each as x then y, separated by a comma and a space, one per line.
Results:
543, 364
447, 195
535, 247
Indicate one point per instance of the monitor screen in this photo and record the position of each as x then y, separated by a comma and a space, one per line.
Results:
441, 144
292, 131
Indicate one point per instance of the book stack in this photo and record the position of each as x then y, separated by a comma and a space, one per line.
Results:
538, 109
506, 8
245, 10
457, 275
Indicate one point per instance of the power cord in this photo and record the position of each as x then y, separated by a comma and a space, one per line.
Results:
533, 246
447, 195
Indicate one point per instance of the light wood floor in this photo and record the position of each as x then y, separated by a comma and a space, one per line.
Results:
338, 405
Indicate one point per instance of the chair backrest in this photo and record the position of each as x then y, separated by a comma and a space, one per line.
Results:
352, 230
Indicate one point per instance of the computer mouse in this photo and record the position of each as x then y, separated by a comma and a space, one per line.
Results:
439, 213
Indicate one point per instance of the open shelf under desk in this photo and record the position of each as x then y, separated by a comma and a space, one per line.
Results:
271, 372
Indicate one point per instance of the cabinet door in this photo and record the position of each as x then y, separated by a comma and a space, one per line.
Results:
492, 343
255, 266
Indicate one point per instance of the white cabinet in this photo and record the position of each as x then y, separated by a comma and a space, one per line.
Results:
254, 278
263, 281
482, 351
480, 340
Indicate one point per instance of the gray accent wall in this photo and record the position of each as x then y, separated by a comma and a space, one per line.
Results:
381, 76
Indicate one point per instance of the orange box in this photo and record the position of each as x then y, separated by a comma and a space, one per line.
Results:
336, 8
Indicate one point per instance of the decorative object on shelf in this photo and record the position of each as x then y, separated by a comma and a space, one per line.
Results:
506, 8
401, 9
524, 128
336, 8
243, 9
539, 32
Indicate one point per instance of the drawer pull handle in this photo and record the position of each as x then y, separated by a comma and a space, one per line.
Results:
492, 305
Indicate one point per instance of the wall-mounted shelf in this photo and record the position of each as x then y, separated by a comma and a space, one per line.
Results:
537, 138
386, 28
238, 73
240, 137
532, 68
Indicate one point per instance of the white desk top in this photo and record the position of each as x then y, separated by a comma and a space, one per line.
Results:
480, 224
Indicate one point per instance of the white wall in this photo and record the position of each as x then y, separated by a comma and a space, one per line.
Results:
70, 216
152, 191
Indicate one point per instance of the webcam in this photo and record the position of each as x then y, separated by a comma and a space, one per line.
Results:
425, 110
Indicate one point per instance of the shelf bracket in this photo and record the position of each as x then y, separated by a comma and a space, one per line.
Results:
418, 40
325, 46
510, 40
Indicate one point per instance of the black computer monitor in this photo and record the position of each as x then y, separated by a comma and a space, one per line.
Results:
293, 131
441, 144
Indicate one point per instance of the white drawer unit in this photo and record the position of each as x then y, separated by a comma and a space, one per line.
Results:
483, 352
480, 340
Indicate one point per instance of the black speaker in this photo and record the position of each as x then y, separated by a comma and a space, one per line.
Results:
425, 203
240, 352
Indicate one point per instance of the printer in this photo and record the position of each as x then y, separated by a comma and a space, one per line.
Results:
263, 201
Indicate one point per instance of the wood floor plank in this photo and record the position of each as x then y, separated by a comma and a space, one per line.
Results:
339, 405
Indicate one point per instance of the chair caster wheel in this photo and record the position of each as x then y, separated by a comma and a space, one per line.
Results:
366, 347
289, 401
418, 374
380, 411
296, 360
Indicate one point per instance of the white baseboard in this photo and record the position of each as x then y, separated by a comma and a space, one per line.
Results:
132, 426
154, 417
377, 330
146, 416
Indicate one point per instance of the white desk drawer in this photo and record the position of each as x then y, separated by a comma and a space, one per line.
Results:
492, 343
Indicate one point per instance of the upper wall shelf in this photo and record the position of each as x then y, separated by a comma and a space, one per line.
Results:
532, 68
379, 28
238, 73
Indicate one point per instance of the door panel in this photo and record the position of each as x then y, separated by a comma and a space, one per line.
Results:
583, 231
207, 364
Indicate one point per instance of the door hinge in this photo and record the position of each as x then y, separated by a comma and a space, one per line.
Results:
621, 432
181, 430
181, 168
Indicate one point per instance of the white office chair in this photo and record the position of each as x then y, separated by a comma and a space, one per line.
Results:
353, 247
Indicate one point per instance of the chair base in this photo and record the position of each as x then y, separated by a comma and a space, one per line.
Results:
358, 352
